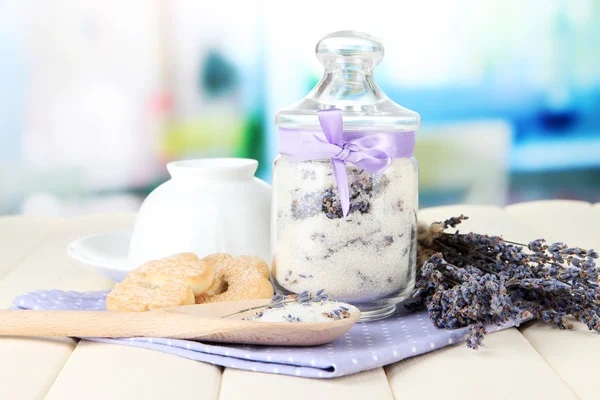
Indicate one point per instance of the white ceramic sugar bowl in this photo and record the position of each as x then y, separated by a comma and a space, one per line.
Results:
208, 206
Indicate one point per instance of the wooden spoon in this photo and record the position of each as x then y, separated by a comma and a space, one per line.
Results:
196, 322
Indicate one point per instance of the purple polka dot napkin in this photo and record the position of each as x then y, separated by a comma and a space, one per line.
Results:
366, 346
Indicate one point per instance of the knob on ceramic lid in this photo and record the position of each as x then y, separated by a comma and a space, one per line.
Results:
349, 47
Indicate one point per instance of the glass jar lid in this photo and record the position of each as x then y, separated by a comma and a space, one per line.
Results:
349, 58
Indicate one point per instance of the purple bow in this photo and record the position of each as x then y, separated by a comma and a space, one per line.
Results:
372, 152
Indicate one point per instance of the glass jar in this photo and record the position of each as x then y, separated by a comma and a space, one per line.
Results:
363, 252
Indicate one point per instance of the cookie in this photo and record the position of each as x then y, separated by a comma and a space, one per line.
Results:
184, 268
217, 261
242, 278
136, 295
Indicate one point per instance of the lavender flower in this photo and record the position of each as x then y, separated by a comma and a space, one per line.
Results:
291, 318
474, 338
338, 313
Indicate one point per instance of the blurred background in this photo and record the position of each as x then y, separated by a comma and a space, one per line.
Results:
95, 97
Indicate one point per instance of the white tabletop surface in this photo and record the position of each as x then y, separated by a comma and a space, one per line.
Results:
534, 361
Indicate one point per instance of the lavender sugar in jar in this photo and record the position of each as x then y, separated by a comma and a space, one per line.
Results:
345, 185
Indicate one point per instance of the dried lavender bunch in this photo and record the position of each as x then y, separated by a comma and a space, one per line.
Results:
480, 280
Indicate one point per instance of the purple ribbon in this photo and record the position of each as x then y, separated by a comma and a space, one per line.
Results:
372, 152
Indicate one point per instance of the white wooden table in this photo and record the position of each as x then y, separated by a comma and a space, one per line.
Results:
535, 361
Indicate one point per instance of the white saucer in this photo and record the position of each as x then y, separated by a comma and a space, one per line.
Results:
106, 253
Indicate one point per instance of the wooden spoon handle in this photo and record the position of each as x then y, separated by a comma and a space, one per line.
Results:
79, 323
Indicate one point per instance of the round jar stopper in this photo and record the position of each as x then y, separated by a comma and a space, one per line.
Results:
349, 47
